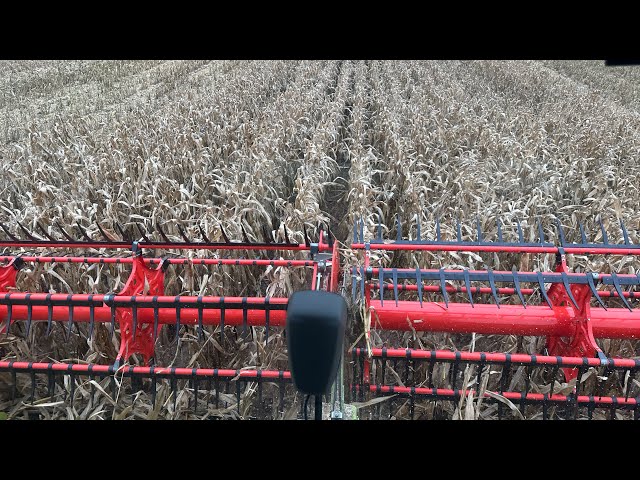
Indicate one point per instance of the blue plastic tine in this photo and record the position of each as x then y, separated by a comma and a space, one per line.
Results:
362, 279
467, 284
560, 232
567, 287
593, 289
418, 228
625, 235
361, 230
443, 288
520, 234
582, 234
605, 239
394, 274
543, 292
419, 283
516, 284
492, 283
540, 232
458, 230
616, 285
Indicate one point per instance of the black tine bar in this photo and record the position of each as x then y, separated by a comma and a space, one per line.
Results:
162, 234
64, 232
583, 235
560, 232
92, 319
178, 310
394, 274
70, 323
142, 232
84, 233
605, 239
520, 234
594, 292
567, 287
467, 284
492, 283
122, 232
206, 239
27, 232
103, 233
307, 241
516, 284
49, 315
625, 235
443, 288
183, 234
540, 232
9, 234
44, 232
616, 285
543, 291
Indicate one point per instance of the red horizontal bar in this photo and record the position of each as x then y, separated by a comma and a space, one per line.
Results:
172, 261
88, 369
488, 357
515, 396
504, 320
375, 271
497, 249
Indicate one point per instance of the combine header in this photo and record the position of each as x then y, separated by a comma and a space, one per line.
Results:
141, 309
575, 311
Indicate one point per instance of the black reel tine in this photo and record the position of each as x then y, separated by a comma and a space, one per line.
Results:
156, 315
27, 233
44, 232
142, 232
70, 322
200, 314
9, 315
593, 289
29, 314
49, 315
458, 230
583, 235
103, 233
183, 234
84, 233
244, 310
560, 232
625, 235
567, 287
266, 320
92, 318
265, 233
419, 283
541, 237
286, 233
162, 234
122, 231
307, 242
516, 284
543, 291
492, 283
134, 315
362, 280
355, 233
616, 285
605, 238
467, 284
381, 283
394, 274
178, 311
520, 234
204, 235
438, 233
443, 288
64, 232
9, 234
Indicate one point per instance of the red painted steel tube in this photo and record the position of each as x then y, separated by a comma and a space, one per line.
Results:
515, 396
165, 246
376, 270
172, 261
80, 368
489, 357
497, 249
505, 320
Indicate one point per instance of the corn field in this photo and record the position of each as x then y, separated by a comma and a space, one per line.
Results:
260, 145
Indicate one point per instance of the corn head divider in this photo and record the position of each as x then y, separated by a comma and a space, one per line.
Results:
574, 312
141, 309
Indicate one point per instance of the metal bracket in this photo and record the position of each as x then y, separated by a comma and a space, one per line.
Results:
136, 337
582, 343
